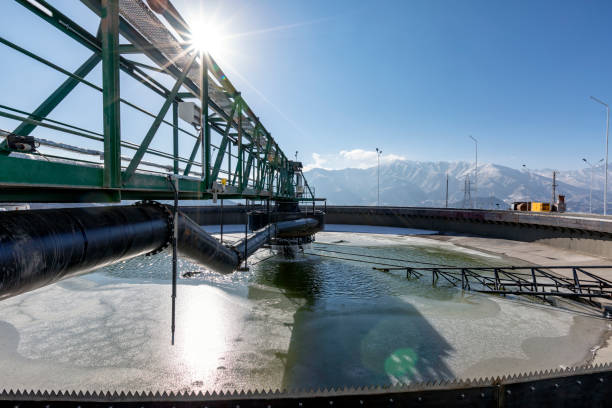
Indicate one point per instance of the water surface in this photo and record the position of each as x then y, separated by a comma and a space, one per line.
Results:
312, 321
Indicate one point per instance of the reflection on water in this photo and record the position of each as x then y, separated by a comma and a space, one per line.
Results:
206, 336
308, 322
295, 278
351, 330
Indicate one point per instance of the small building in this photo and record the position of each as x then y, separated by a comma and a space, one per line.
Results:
540, 207
536, 206
521, 206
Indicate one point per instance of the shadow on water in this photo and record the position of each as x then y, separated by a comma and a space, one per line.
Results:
340, 338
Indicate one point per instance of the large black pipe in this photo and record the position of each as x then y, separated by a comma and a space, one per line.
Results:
254, 242
283, 229
299, 227
40, 247
199, 246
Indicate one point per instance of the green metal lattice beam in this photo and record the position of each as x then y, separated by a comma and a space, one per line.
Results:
260, 174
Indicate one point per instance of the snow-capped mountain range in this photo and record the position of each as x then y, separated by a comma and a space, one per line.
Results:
413, 183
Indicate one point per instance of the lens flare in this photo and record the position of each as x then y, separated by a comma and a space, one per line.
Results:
207, 37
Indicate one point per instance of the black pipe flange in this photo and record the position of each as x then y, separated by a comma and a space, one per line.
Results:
170, 218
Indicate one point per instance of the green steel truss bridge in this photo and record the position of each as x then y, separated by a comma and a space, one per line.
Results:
232, 155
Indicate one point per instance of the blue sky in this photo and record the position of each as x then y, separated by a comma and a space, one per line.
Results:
414, 78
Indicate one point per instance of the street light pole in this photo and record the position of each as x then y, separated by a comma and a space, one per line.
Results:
378, 154
528, 180
591, 186
475, 169
446, 202
606, 164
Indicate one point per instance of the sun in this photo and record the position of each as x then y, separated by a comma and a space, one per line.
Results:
208, 37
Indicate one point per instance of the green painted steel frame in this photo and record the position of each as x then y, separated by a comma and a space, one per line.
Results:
30, 179
110, 94
144, 145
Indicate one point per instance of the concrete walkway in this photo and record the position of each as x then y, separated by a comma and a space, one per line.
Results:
527, 253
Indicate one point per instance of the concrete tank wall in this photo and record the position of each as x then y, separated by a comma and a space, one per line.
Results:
578, 233
583, 233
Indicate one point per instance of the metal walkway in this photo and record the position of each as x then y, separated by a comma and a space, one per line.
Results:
538, 281
220, 147
542, 282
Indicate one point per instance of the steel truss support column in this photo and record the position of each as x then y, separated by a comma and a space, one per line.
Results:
229, 163
175, 136
247, 171
263, 166
221, 153
239, 165
205, 122
237, 176
111, 94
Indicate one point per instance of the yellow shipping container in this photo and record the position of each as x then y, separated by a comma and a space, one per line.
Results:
540, 207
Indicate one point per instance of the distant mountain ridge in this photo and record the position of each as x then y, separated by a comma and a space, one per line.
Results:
414, 183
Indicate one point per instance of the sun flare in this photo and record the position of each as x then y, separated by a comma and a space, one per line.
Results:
207, 37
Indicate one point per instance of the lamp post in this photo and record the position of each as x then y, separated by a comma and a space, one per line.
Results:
591, 186
475, 170
378, 154
528, 180
606, 164
446, 201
